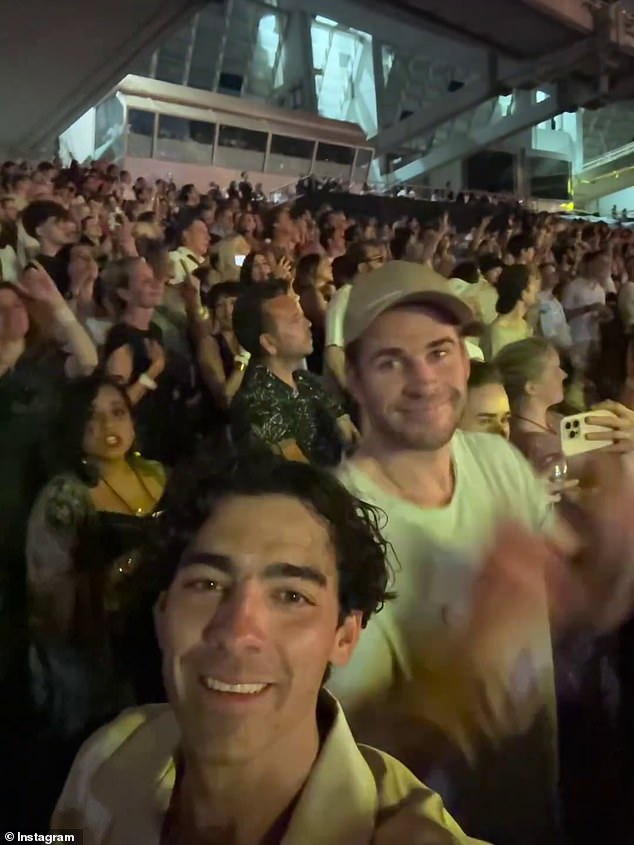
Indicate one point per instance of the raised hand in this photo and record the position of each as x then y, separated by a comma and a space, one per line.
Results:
620, 421
83, 272
124, 238
37, 285
284, 270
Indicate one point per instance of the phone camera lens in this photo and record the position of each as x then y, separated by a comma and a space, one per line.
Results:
576, 423
573, 434
568, 426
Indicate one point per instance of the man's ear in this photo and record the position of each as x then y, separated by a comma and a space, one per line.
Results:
530, 388
346, 639
268, 344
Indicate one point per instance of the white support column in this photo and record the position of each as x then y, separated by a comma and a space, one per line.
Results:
187, 64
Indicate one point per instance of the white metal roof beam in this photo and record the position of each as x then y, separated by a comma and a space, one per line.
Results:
524, 118
512, 75
408, 35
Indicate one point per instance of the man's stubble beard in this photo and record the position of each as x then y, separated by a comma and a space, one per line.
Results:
423, 440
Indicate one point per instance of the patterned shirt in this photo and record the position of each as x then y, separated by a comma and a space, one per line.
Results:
267, 410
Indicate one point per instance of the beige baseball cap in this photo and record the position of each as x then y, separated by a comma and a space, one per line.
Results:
400, 283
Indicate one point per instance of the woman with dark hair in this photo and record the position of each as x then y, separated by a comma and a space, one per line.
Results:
82, 533
517, 290
256, 268
312, 282
222, 361
246, 226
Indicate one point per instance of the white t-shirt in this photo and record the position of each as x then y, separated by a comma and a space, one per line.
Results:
435, 553
335, 315
552, 321
578, 293
437, 550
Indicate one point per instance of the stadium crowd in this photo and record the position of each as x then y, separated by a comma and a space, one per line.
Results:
267, 465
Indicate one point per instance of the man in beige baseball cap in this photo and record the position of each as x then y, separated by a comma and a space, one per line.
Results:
402, 283
445, 493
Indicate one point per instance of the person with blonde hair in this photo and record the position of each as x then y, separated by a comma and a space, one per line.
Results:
534, 382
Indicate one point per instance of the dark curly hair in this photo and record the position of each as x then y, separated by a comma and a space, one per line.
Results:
355, 527
75, 411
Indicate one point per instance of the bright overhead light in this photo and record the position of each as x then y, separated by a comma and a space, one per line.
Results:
326, 21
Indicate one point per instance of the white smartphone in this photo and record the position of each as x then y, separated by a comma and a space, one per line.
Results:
239, 259
574, 429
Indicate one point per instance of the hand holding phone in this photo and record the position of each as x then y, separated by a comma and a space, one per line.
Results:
588, 432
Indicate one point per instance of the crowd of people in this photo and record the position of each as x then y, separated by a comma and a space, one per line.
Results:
288, 525
311, 184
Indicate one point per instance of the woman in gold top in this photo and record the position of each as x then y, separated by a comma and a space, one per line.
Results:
82, 533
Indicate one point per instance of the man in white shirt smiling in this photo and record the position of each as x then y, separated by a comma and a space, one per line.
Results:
445, 494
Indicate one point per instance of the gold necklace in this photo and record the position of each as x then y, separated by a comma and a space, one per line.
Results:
134, 511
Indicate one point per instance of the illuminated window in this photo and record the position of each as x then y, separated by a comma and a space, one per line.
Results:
344, 73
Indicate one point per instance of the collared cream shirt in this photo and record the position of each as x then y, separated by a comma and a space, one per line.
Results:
121, 783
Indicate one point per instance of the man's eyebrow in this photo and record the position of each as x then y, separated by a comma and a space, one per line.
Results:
387, 351
395, 351
291, 570
224, 564
442, 341
217, 561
